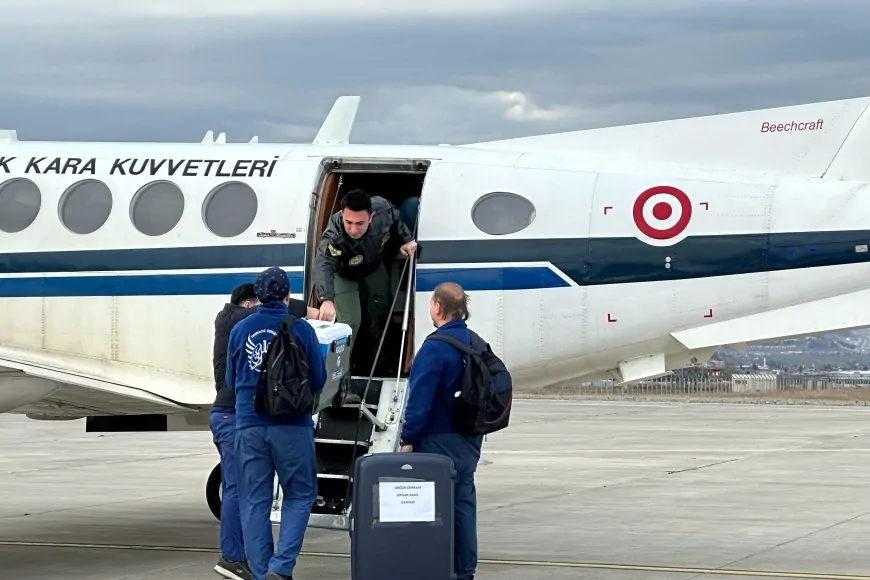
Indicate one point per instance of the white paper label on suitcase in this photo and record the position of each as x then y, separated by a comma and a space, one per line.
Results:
407, 501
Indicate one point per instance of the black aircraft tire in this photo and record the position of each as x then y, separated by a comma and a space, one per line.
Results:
213, 491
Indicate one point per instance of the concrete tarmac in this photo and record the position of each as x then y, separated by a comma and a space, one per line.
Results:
579, 490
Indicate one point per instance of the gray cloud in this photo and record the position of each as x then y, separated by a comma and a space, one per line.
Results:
467, 71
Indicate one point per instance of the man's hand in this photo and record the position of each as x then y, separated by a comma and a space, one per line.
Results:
406, 448
327, 311
408, 249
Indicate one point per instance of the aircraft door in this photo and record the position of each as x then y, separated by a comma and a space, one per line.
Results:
283, 219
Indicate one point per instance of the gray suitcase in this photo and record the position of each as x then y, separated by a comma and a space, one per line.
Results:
402, 517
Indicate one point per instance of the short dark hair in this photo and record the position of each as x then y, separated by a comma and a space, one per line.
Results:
453, 300
357, 200
243, 292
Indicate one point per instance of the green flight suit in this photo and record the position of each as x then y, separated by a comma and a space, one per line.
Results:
372, 293
353, 273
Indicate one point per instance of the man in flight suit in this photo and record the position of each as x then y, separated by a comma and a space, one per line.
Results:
350, 260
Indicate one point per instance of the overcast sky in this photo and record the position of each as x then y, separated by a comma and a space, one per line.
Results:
457, 72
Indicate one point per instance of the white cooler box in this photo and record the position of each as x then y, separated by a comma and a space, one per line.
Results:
334, 340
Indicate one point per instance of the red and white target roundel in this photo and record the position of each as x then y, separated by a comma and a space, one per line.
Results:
662, 212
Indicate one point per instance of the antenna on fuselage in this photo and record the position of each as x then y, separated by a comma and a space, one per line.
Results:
8, 135
337, 126
209, 137
221, 138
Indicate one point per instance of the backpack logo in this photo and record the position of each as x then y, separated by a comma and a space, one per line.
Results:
483, 403
283, 389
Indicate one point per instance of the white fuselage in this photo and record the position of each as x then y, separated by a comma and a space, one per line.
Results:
572, 293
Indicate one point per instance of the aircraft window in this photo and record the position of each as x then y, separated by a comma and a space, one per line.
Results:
501, 213
20, 202
157, 208
230, 209
85, 206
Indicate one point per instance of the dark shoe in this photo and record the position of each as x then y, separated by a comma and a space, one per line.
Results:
277, 576
233, 570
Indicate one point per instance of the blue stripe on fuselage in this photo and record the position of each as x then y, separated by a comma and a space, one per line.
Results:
196, 258
595, 261
133, 285
504, 278
585, 261
494, 278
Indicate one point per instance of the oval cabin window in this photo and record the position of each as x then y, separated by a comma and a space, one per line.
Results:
20, 202
229, 209
501, 213
85, 206
157, 208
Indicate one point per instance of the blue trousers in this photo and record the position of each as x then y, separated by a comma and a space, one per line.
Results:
223, 429
465, 453
260, 453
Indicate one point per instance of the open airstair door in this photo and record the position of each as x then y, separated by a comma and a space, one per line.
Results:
367, 416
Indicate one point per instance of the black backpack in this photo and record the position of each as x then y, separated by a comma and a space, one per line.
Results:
483, 404
283, 390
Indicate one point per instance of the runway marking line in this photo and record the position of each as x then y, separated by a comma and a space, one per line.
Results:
491, 562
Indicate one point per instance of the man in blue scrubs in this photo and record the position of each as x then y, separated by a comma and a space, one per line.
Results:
232, 563
265, 445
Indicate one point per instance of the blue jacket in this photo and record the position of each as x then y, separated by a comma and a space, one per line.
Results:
248, 343
436, 375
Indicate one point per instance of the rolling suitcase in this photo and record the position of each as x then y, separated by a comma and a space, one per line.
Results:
402, 517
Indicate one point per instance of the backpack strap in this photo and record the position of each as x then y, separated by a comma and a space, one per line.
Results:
478, 345
452, 341
463, 348
285, 329
288, 322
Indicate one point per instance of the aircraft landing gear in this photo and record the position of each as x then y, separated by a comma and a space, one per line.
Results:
214, 495
213, 491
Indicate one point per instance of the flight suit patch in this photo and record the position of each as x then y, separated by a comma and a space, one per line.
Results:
356, 260
335, 252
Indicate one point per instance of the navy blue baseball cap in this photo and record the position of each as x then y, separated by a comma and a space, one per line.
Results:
272, 285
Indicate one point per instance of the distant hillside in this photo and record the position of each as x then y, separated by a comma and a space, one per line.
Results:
837, 350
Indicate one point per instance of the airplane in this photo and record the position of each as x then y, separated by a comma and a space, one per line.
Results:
622, 252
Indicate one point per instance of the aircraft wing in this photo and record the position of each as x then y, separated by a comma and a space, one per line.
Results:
838, 313
52, 393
